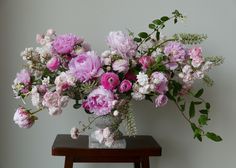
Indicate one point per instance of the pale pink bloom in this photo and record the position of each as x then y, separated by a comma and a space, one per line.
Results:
122, 44
110, 80
188, 78
100, 101
198, 74
64, 81
146, 61
142, 78
74, 133
171, 65
161, 87
158, 77
206, 66
53, 64
22, 77
106, 61
54, 102
86, 66
36, 97
187, 69
120, 65
137, 96
185, 89
50, 32
98, 135
144, 89
23, 118
161, 100
106, 132
196, 56
109, 141
125, 86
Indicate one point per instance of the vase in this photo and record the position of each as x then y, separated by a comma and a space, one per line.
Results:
107, 133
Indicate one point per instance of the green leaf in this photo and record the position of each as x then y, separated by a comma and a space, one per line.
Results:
158, 35
152, 26
208, 106
137, 39
203, 111
165, 18
213, 136
170, 96
202, 120
157, 22
143, 35
199, 93
191, 110
182, 107
175, 20
193, 126
147, 97
197, 102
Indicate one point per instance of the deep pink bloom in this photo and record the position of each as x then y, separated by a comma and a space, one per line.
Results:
22, 77
100, 101
130, 76
161, 100
86, 66
110, 80
64, 44
196, 56
53, 64
23, 118
146, 61
125, 86
122, 44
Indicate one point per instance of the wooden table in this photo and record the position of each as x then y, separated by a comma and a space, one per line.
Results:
137, 151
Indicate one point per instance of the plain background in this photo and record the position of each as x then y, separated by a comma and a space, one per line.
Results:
21, 20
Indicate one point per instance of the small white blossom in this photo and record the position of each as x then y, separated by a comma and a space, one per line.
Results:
46, 81
142, 78
116, 113
137, 96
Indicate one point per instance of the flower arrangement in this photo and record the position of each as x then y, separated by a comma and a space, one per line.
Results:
149, 66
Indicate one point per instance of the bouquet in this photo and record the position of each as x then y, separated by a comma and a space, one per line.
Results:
148, 66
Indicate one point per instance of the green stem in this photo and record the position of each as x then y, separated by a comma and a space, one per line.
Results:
90, 123
37, 111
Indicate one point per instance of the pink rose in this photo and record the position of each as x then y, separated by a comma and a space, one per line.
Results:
100, 101
120, 65
23, 118
110, 80
53, 64
86, 66
125, 86
54, 102
196, 56
146, 61
161, 100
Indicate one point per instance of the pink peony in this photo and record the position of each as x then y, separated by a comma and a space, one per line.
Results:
23, 118
177, 54
54, 102
146, 61
122, 44
110, 80
22, 77
99, 101
86, 66
53, 64
64, 44
161, 100
196, 56
160, 81
120, 65
125, 86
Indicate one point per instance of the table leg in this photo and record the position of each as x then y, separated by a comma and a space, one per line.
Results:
68, 162
136, 164
145, 162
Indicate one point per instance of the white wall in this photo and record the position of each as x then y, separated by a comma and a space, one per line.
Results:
20, 20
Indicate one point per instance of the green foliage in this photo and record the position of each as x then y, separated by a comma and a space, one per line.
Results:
187, 38
192, 110
87, 87
199, 93
213, 136
209, 82
216, 60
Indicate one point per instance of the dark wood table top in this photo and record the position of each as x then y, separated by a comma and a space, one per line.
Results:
140, 145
